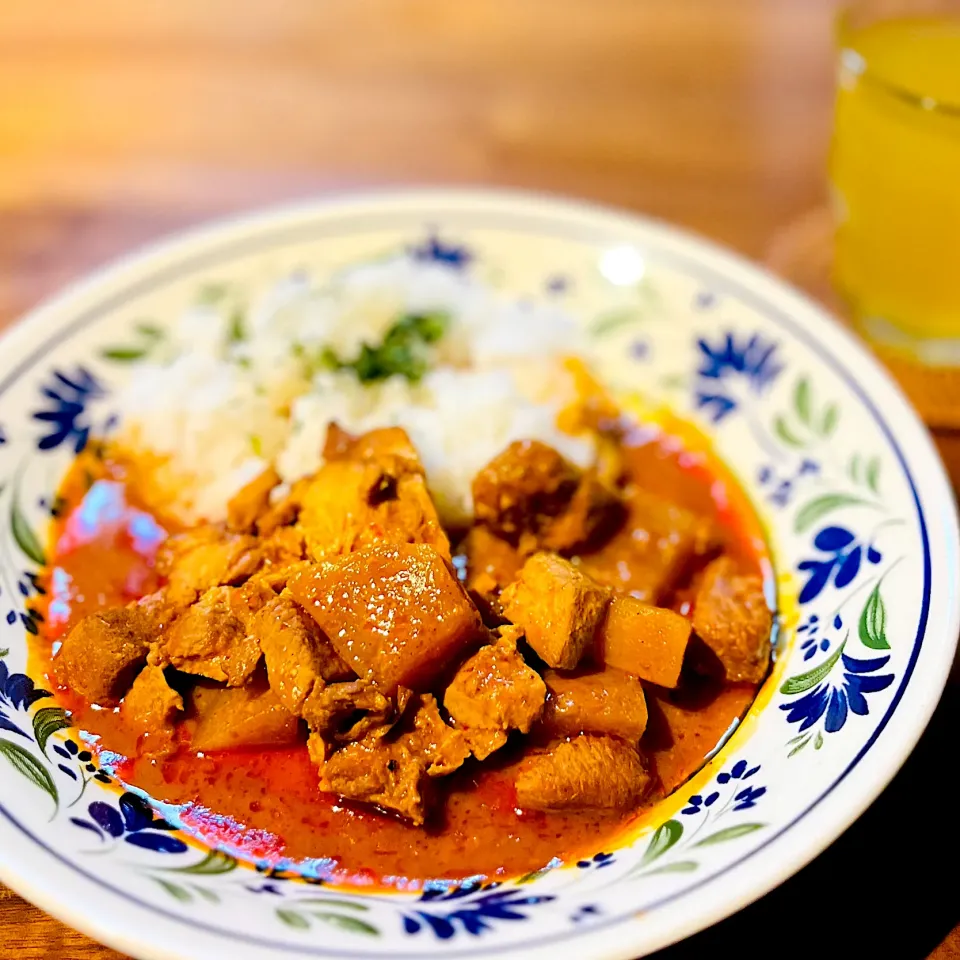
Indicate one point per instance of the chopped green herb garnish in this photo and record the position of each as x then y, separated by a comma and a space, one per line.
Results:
150, 331
211, 293
236, 333
124, 354
256, 445
430, 326
402, 353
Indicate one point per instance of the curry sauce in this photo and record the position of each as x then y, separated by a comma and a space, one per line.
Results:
264, 804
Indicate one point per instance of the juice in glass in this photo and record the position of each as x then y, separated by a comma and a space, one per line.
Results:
895, 178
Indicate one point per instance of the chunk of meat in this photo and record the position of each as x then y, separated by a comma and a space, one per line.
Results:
280, 549
557, 607
390, 772
213, 637
376, 492
348, 711
205, 557
151, 704
277, 577
297, 653
491, 562
388, 447
395, 612
610, 468
386, 774
159, 610
654, 549
318, 749
101, 654
605, 701
592, 516
649, 642
493, 693
225, 718
522, 488
732, 617
351, 505
251, 501
282, 512
338, 442
442, 747
592, 407
597, 773
278, 556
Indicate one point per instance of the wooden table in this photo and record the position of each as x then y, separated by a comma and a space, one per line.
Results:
121, 121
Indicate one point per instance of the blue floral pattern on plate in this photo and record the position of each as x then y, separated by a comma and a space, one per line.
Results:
752, 361
66, 411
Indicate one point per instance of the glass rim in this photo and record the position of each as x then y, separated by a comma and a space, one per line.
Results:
857, 64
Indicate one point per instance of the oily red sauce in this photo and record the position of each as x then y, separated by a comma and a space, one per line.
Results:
265, 805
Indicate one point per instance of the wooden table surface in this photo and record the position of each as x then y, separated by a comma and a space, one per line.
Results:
121, 121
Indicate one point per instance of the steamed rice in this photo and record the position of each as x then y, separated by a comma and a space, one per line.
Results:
222, 402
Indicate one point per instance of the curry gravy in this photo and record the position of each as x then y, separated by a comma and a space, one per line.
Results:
264, 805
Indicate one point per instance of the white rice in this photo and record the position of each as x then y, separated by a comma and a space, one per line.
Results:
219, 409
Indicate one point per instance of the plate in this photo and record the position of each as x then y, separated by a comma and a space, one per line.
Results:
858, 513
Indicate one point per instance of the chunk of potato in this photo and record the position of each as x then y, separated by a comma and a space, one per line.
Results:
249, 716
647, 641
152, 704
654, 549
395, 612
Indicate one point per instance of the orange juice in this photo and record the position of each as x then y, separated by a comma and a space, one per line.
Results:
895, 173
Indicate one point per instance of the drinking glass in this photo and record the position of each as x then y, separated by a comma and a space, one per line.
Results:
895, 191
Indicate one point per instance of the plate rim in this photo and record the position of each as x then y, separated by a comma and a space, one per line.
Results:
875, 385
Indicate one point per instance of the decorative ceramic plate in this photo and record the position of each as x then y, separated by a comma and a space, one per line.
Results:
859, 518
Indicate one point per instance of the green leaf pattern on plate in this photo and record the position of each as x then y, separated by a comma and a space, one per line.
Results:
30, 768
664, 837
175, 890
806, 681
46, 722
216, 862
23, 533
148, 337
820, 506
307, 911
873, 622
729, 833
806, 423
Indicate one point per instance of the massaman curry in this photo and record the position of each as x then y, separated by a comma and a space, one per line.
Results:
332, 680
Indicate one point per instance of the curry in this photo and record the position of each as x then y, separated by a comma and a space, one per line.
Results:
331, 681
